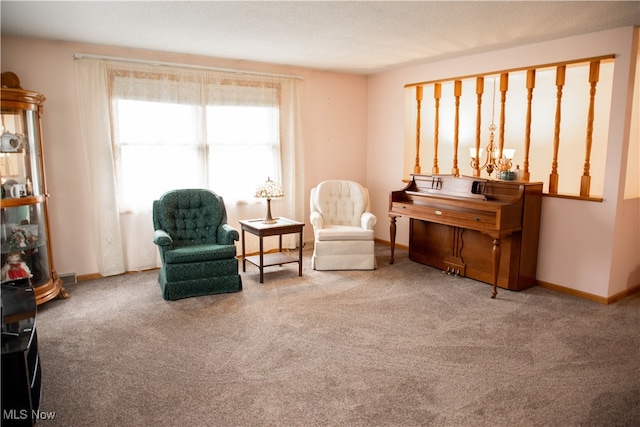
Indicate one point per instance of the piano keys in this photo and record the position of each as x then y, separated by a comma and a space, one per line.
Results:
483, 229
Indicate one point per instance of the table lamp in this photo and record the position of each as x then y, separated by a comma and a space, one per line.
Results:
269, 190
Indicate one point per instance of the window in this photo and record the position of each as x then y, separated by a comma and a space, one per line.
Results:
250, 136
150, 128
222, 141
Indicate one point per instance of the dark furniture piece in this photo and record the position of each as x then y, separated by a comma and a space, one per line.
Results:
21, 373
196, 245
483, 229
260, 229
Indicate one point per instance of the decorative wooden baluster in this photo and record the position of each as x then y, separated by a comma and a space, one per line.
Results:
553, 177
457, 92
585, 182
476, 160
437, 91
531, 84
504, 87
416, 167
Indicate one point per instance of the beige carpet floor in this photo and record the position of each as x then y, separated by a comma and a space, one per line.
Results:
404, 345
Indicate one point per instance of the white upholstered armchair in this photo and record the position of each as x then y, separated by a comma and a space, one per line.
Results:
342, 227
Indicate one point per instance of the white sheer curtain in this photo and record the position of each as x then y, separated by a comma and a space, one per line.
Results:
96, 132
122, 193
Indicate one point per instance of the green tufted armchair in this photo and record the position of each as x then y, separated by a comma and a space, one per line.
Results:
196, 245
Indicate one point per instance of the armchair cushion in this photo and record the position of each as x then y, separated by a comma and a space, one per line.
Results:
343, 232
190, 217
197, 253
341, 202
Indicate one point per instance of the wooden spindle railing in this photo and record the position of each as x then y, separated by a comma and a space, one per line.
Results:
437, 94
457, 93
475, 164
504, 87
560, 77
531, 84
585, 181
475, 161
554, 177
416, 167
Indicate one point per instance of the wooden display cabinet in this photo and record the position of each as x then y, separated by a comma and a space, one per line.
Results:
25, 238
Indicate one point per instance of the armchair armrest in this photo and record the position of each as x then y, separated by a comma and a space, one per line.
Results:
316, 220
162, 238
368, 220
227, 234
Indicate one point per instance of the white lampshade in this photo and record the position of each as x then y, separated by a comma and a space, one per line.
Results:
472, 152
508, 153
269, 190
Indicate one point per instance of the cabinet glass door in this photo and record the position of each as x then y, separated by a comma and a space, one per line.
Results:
20, 154
24, 244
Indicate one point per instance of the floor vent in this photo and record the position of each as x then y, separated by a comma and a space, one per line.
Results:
69, 278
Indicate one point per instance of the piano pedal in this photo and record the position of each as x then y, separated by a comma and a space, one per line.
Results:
452, 271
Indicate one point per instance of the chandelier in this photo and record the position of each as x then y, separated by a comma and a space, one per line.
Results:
493, 159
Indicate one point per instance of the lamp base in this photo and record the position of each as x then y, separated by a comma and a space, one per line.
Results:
268, 219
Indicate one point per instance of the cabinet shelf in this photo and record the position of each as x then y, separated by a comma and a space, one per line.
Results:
19, 151
12, 202
6, 249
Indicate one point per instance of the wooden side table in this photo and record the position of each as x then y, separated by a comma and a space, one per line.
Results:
260, 229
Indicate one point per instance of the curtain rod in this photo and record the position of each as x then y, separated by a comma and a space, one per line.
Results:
175, 64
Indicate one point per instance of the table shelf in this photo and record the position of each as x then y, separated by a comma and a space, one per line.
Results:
269, 260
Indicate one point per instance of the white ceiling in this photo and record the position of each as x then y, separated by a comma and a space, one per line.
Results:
363, 37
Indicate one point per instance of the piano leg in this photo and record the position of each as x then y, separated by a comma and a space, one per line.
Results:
392, 234
496, 266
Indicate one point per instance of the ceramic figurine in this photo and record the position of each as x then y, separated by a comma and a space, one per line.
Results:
15, 268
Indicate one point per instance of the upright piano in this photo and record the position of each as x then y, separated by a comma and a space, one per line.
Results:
479, 228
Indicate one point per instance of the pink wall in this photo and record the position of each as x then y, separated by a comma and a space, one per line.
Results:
334, 131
